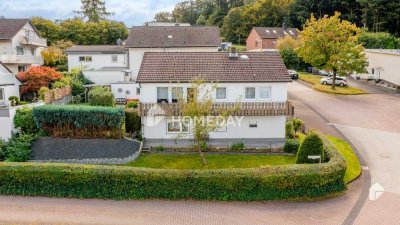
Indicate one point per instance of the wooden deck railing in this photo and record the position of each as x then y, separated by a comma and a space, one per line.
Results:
244, 109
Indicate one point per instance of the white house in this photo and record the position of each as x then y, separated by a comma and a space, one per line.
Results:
9, 85
20, 44
383, 64
259, 81
105, 65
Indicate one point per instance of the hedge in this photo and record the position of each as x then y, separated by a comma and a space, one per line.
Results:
80, 120
118, 182
132, 121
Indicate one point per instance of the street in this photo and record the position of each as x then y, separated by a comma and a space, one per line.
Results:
369, 122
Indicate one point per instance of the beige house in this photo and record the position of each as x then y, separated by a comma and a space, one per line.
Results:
383, 64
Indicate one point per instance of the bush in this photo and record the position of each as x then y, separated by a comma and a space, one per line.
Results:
132, 121
19, 148
312, 145
297, 123
3, 145
289, 132
79, 120
14, 100
118, 182
159, 148
132, 104
42, 92
291, 146
237, 146
101, 96
24, 121
77, 88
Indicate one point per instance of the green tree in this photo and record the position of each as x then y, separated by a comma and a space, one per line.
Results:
47, 29
378, 40
201, 20
311, 146
93, 10
164, 16
332, 44
235, 25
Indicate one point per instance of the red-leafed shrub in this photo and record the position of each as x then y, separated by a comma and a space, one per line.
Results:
36, 77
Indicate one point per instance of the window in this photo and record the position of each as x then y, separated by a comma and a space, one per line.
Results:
256, 44
85, 58
372, 71
33, 51
250, 93
162, 94
114, 58
176, 93
178, 126
22, 68
220, 93
137, 91
20, 50
1, 94
265, 92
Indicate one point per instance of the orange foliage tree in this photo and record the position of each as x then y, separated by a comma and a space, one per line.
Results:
36, 77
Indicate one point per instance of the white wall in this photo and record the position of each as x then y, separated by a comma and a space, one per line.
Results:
267, 127
235, 91
104, 77
121, 90
136, 55
386, 64
98, 61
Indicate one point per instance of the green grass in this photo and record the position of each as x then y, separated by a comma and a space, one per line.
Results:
214, 161
315, 81
353, 169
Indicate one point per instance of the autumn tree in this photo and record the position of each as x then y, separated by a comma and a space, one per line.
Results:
199, 108
286, 47
36, 77
332, 44
93, 10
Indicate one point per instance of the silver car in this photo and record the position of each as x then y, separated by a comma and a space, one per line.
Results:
341, 81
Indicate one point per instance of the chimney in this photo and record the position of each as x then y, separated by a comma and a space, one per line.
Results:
233, 54
283, 26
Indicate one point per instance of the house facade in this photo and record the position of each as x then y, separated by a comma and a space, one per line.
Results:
258, 81
9, 85
264, 38
20, 44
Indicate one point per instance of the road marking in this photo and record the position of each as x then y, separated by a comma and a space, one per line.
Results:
375, 191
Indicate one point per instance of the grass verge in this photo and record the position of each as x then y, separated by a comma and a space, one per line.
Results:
315, 81
214, 161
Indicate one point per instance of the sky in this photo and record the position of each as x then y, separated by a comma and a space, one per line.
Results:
132, 12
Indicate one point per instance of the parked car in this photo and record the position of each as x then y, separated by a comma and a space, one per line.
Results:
325, 73
341, 81
293, 74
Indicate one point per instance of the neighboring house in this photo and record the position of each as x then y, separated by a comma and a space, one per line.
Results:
264, 38
258, 80
383, 64
105, 65
20, 44
143, 39
9, 85
165, 24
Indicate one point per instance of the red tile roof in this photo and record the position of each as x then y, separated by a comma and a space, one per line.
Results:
159, 67
10, 27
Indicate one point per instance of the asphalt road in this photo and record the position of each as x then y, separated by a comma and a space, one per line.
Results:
369, 121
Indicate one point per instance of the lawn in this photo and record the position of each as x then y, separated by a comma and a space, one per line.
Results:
214, 161
315, 81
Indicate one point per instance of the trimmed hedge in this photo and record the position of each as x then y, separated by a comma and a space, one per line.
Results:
132, 121
118, 182
80, 120
311, 146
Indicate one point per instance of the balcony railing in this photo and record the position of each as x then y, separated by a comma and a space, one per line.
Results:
22, 59
244, 109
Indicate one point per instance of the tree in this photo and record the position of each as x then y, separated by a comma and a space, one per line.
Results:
93, 10
36, 77
47, 29
235, 25
286, 47
332, 44
164, 16
54, 55
378, 40
199, 108
311, 146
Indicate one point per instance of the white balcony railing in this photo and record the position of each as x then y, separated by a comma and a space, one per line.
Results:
22, 59
34, 41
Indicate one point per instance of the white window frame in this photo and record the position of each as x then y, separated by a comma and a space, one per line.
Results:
137, 91
221, 99
180, 127
168, 93
255, 93
2, 94
23, 50
85, 58
270, 92
171, 90
114, 58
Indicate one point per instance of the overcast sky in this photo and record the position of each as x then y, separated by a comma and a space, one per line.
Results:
132, 12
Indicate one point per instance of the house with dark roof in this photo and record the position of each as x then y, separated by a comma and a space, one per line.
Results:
258, 80
20, 44
264, 38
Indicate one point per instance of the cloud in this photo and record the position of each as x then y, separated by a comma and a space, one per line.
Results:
132, 12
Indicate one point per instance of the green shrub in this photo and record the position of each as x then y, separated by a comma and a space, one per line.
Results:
297, 123
291, 146
77, 88
24, 121
43, 91
132, 104
132, 121
101, 96
14, 100
19, 148
312, 145
289, 132
159, 148
22, 103
79, 120
3, 145
118, 182
237, 146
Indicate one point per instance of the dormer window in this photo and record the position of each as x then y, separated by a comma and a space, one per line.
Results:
267, 31
291, 32
274, 31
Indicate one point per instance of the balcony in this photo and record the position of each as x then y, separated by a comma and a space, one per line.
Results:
21, 59
33, 40
245, 109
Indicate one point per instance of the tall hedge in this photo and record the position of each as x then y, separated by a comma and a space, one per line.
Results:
118, 182
132, 120
79, 120
311, 146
